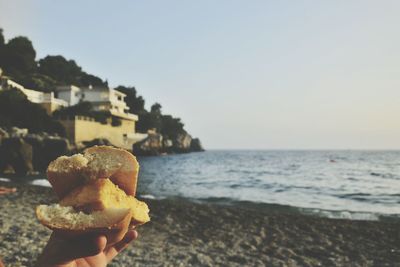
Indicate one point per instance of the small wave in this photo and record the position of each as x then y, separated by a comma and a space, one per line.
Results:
41, 182
148, 196
280, 190
253, 172
384, 175
357, 197
346, 215
367, 195
274, 207
372, 198
5, 179
292, 167
353, 195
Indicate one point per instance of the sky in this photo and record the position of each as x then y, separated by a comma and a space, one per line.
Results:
240, 74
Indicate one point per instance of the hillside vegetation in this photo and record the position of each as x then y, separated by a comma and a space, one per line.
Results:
18, 61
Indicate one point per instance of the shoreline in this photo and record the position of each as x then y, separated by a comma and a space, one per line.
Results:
200, 234
271, 207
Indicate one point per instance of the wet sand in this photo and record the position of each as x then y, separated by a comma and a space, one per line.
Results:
183, 233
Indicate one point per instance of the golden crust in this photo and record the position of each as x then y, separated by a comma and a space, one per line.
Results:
67, 173
114, 232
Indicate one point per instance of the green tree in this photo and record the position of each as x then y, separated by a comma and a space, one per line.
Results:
83, 109
171, 127
2, 39
2, 44
147, 122
167, 125
156, 109
41, 82
67, 72
133, 101
18, 57
88, 79
61, 70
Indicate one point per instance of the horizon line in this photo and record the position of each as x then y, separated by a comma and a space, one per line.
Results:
307, 149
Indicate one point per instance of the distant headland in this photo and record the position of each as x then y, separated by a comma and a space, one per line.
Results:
53, 98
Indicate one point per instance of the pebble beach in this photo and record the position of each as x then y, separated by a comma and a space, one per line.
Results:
183, 233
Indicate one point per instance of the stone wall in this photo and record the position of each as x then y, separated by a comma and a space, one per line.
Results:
83, 129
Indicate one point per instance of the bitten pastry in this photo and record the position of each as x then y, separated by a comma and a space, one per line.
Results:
96, 191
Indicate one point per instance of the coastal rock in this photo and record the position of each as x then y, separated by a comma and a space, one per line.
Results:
18, 132
151, 146
36, 141
16, 156
46, 149
55, 147
195, 145
182, 143
3, 134
155, 145
167, 143
168, 146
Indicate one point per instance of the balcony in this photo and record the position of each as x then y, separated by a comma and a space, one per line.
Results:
124, 115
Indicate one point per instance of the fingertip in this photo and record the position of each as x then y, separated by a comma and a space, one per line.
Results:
131, 235
100, 243
128, 238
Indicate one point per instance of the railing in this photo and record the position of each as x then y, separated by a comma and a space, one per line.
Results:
49, 97
78, 117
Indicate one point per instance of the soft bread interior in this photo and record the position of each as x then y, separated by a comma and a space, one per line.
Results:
104, 162
65, 164
59, 217
103, 194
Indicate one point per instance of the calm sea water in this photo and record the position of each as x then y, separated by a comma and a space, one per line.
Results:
349, 184
354, 184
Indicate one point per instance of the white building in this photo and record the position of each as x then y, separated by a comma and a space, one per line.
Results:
69, 93
46, 100
78, 128
102, 99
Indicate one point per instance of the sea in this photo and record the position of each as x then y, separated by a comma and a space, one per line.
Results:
360, 185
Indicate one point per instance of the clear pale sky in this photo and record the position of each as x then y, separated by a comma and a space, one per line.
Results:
240, 74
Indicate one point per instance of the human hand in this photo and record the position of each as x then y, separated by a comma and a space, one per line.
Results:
85, 251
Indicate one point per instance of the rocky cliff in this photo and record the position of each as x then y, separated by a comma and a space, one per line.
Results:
155, 144
22, 153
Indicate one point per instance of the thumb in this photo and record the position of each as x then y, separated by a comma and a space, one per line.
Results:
62, 251
83, 246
